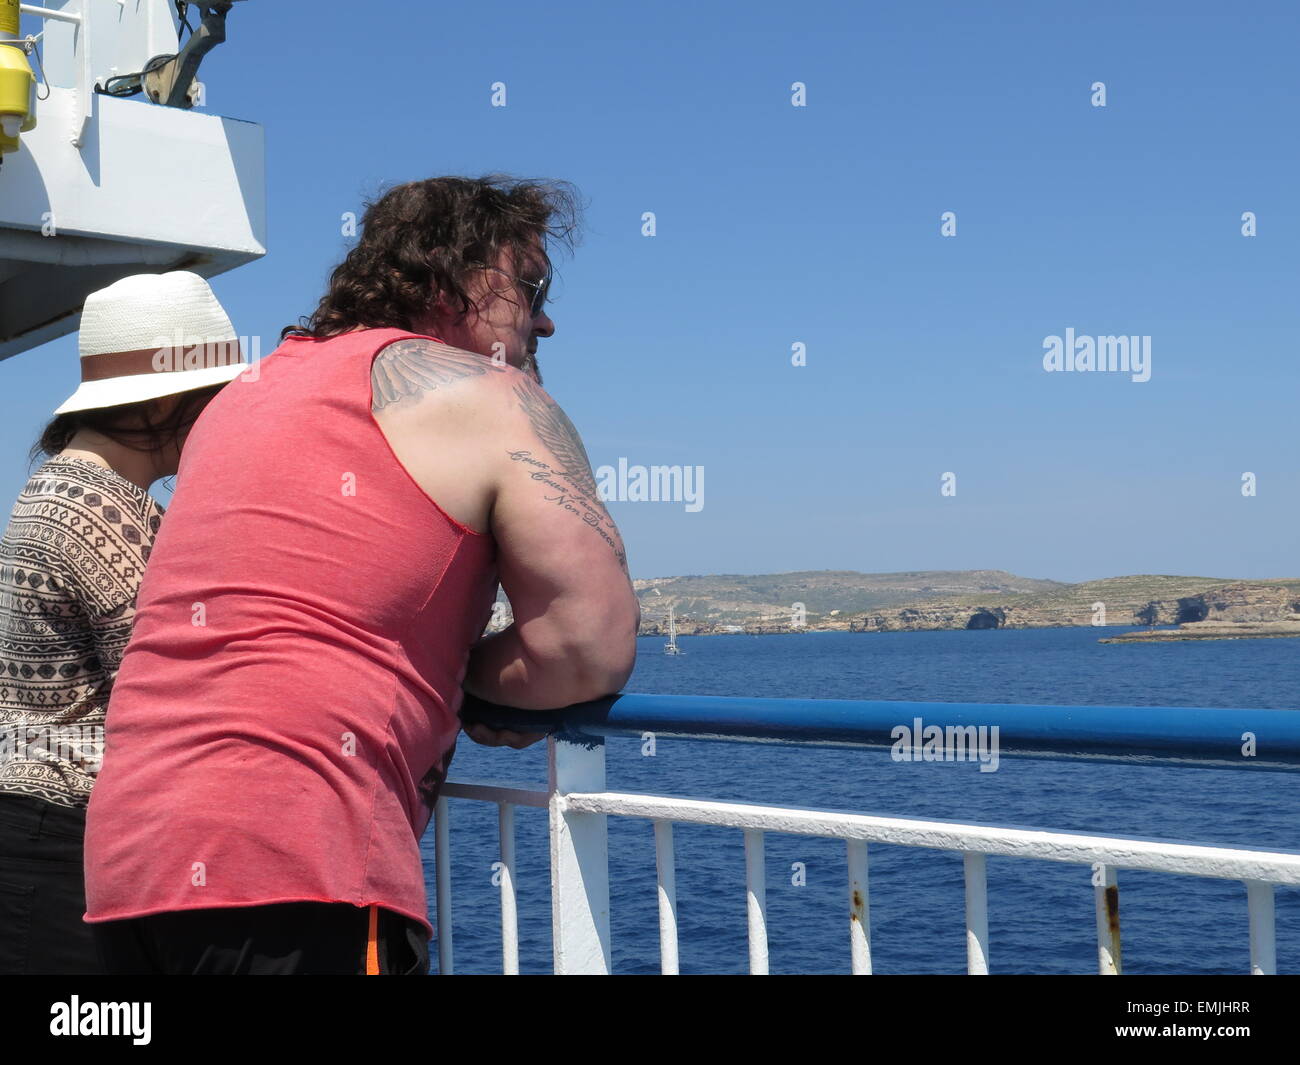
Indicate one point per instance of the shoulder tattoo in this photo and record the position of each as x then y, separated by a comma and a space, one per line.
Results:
407, 369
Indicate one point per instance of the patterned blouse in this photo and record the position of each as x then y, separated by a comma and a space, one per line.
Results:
70, 566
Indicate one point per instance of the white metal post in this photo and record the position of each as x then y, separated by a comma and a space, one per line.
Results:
756, 902
1263, 939
579, 861
666, 864
442, 860
859, 909
509, 901
977, 914
1106, 892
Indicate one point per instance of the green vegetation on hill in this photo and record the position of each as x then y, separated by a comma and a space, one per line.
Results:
737, 597
948, 599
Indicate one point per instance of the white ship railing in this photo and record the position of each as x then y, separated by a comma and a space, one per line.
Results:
579, 805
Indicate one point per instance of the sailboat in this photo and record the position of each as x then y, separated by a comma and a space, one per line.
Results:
671, 648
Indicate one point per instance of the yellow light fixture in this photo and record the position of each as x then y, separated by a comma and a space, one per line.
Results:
17, 82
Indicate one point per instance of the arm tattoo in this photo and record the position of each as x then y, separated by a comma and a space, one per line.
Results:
572, 484
409, 368
554, 429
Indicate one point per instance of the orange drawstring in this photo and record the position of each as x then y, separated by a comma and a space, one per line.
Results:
372, 944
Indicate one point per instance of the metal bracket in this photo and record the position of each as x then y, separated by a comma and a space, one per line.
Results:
172, 83
81, 117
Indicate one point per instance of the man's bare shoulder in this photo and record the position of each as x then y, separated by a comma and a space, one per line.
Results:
406, 372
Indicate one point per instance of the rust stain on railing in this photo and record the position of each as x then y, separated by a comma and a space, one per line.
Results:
1112, 922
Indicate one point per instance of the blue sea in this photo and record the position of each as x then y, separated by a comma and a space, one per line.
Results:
1041, 914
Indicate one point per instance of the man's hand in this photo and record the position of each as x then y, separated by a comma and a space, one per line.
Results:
501, 737
489, 735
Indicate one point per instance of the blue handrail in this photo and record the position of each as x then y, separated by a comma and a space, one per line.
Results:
1148, 735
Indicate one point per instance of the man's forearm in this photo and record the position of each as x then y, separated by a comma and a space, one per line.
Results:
502, 671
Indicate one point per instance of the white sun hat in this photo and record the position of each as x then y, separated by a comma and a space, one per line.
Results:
151, 335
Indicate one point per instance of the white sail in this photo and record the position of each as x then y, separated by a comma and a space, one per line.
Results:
671, 648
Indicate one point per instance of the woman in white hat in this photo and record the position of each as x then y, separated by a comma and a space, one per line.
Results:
155, 349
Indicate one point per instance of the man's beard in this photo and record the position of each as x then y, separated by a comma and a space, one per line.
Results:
529, 365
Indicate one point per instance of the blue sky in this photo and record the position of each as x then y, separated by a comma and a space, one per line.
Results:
821, 225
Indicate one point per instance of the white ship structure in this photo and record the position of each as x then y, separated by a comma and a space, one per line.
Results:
110, 162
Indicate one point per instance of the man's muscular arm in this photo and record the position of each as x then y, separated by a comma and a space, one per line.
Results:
562, 564
489, 444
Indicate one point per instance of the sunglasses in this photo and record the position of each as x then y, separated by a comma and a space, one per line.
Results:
540, 289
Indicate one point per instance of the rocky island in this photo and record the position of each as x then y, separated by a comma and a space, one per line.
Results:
849, 601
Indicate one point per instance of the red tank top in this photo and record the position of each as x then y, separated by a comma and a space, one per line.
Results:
287, 706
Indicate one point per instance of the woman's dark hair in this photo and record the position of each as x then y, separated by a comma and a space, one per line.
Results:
422, 239
134, 425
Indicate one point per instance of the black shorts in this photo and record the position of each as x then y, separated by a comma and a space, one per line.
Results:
42, 890
286, 938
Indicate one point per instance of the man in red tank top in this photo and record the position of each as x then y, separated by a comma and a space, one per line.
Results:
310, 619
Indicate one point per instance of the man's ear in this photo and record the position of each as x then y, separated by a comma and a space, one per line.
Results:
441, 313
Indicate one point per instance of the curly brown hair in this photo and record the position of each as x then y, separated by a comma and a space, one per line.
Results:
423, 239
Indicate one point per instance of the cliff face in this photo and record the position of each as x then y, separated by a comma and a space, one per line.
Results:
979, 599
1238, 602
1116, 602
